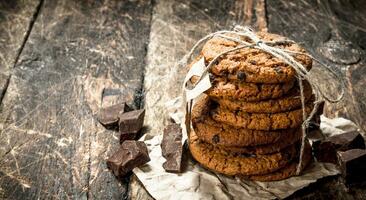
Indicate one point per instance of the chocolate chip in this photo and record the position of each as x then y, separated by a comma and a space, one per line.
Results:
241, 75
214, 104
216, 62
216, 139
253, 62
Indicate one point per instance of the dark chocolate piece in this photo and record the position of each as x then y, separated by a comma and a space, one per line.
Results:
241, 75
253, 62
172, 148
216, 139
130, 123
127, 136
109, 116
353, 165
131, 154
325, 150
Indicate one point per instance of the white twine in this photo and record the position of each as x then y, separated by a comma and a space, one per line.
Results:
284, 55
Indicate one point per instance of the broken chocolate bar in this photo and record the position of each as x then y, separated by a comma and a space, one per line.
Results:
172, 149
353, 165
109, 116
326, 150
130, 123
131, 154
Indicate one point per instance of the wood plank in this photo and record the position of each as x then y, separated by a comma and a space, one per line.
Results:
335, 33
79, 56
15, 22
175, 27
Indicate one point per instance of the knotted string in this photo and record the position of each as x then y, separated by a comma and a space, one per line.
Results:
284, 55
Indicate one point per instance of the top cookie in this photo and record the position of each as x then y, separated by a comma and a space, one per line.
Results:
253, 65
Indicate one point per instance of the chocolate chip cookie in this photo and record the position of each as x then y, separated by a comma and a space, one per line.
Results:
253, 65
287, 171
257, 121
226, 135
223, 88
243, 91
290, 101
227, 163
267, 148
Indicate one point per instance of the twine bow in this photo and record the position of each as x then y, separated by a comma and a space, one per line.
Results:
268, 47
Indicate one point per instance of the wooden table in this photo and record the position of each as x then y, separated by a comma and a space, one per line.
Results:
62, 60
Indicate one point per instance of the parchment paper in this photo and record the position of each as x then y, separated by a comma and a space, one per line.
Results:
198, 183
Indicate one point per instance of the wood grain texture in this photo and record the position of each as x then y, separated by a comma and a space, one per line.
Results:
79, 56
16, 17
175, 27
334, 32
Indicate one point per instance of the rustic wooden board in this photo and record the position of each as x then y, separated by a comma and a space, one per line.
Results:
175, 27
16, 18
334, 32
80, 55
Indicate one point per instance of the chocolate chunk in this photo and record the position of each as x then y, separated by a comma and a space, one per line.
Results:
253, 62
130, 123
127, 136
215, 139
131, 154
241, 75
325, 150
172, 148
109, 116
353, 165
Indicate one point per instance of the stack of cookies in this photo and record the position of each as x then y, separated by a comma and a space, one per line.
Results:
249, 122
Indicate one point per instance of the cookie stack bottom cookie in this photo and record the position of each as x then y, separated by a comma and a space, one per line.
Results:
246, 147
268, 167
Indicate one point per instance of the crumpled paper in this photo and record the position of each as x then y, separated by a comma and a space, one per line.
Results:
198, 183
